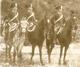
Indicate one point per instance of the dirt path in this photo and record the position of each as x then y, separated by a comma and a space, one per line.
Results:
73, 57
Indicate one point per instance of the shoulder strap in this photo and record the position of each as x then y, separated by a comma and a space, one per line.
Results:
59, 18
14, 17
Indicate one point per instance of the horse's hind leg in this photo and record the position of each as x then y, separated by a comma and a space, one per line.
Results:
61, 49
66, 48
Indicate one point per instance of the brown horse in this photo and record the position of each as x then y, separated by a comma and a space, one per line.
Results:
64, 38
49, 37
36, 38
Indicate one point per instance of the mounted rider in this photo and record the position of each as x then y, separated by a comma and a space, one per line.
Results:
14, 17
59, 20
32, 15
31, 19
13, 22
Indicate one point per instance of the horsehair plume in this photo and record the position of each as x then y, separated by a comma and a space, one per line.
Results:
61, 7
15, 4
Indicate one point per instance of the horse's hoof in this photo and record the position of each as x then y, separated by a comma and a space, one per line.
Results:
14, 63
59, 63
42, 64
49, 62
6, 60
64, 62
31, 62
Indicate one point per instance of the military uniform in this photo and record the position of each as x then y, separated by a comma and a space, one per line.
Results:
13, 23
59, 25
31, 20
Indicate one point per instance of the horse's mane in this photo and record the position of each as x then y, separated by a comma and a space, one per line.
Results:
66, 34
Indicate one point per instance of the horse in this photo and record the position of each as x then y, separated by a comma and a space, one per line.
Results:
19, 39
64, 38
8, 37
16, 41
36, 37
10, 33
49, 37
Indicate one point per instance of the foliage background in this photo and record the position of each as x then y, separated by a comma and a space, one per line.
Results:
41, 7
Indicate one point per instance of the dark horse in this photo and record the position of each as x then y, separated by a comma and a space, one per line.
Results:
64, 39
36, 38
49, 37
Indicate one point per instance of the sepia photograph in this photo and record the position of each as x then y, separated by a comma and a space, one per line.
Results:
39, 33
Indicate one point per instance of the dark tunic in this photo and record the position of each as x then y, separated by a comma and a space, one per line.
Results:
60, 23
31, 19
12, 33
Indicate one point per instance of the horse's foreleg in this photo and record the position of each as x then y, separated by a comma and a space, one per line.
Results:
19, 49
66, 48
6, 52
20, 55
51, 48
33, 48
61, 49
48, 51
40, 52
14, 55
10, 51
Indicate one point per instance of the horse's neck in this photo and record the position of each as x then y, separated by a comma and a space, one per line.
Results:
17, 33
42, 23
21, 34
68, 27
